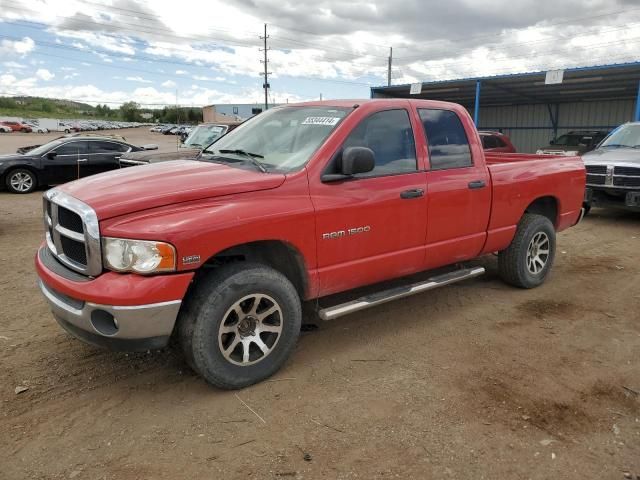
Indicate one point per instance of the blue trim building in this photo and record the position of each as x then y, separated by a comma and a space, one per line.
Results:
534, 107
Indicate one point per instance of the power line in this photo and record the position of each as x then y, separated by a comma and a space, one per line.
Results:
136, 29
520, 44
552, 24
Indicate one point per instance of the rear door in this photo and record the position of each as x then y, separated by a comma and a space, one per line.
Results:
65, 165
372, 227
104, 155
458, 189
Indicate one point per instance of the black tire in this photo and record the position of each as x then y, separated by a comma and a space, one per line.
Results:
587, 209
210, 304
29, 184
513, 263
66, 130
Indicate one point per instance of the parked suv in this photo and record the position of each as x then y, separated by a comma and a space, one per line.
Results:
613, 170
496, 142
576, 142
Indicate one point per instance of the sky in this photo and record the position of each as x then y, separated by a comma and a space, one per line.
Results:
201, 52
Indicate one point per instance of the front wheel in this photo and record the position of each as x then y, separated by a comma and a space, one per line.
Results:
21, 181
529, 257
240, 324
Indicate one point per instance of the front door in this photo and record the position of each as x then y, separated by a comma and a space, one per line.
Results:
66, 163
372, 227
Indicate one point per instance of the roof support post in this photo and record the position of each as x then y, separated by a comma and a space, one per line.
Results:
476, 111
554, 118
637, 117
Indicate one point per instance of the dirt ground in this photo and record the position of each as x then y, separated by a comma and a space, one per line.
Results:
473, 381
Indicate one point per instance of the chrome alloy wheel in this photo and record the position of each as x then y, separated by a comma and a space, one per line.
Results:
250, 329
538, 253
21, 182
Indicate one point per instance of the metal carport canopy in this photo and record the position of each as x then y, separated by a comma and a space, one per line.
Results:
602, 82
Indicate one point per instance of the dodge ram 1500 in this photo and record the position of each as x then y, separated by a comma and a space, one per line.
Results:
300, 202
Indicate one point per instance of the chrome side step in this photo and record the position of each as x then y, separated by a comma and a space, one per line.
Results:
399, 292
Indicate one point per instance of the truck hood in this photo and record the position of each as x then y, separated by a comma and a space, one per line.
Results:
132, 189
611, 156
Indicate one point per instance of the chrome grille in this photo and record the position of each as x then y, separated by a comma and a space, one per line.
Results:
619, 176
597, 169
72, 232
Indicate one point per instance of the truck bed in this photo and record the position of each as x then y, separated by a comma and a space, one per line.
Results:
518, 179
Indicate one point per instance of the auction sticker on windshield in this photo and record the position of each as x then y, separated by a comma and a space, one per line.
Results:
329, 121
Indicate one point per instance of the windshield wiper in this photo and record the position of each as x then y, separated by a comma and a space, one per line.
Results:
617, 145
252, 157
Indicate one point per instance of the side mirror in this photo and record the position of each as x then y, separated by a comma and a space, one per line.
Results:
357, 160
354, 160
51, 155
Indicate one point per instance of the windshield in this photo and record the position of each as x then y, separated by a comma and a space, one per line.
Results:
284, 138
203, 135
624, 136
573, 140
45, 148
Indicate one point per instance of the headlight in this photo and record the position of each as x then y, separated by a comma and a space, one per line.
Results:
571, 153
139, 256
539, 152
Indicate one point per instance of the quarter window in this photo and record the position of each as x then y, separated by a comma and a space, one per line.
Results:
390, 136
447, 140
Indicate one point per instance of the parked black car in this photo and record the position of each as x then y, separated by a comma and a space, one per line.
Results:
613, 170
62, 160
576, 142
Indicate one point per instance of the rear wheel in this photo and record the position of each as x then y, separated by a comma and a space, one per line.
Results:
240, 324
21, 181
528, 260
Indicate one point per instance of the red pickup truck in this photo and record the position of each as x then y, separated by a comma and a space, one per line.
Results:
300, 202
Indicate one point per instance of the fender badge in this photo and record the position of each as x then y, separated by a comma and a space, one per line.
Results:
191, 259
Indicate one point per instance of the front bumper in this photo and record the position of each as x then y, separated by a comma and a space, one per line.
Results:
118, 311
597, 196
130, 328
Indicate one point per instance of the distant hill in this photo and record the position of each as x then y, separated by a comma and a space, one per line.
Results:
33, 107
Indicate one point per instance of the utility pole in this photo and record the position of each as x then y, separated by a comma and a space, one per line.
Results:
265, 85
320, 96
389, 66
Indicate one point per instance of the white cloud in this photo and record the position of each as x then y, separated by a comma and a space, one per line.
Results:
67, 69
203, 78
144, 95
44, 74
20, 47
138, 79
169, 84
70, 76
181, 72
12, 64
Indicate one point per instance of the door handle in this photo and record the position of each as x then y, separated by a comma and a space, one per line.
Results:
476, 184
82, 160
413, 193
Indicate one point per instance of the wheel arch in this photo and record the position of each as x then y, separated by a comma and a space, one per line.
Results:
5, 174
277, 254
547, 206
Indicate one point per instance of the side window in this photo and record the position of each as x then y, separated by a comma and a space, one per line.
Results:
499, 142
447, 140
72, 148
107, 147
390, 136
488, 141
